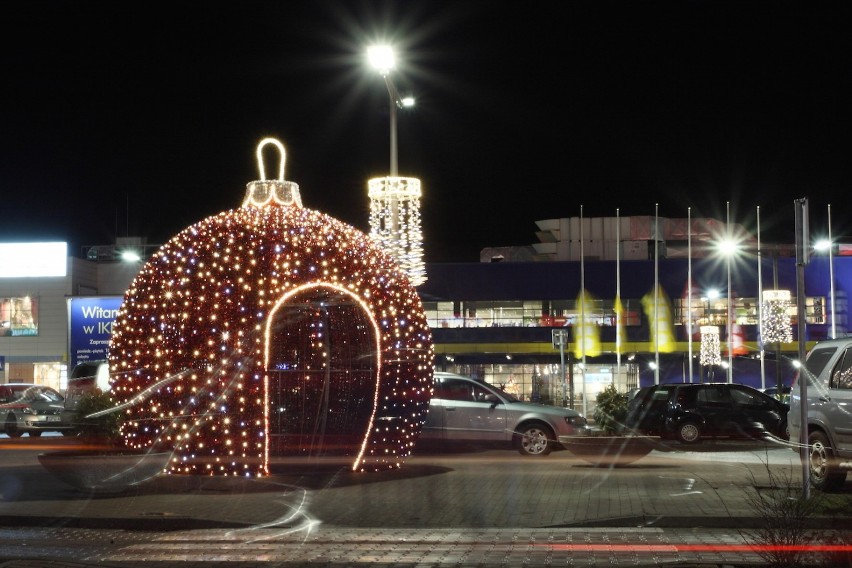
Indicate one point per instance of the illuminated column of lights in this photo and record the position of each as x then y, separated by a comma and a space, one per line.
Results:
395, 222
192, 349
710, 346
395, 200
775, 325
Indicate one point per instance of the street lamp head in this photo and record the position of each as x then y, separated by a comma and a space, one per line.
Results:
728, 247
822, 245
407, 101
381, 58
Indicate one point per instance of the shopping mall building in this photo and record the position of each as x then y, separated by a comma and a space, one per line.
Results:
516, 317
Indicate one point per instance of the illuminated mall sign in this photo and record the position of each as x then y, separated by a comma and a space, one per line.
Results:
24, 260
90, 326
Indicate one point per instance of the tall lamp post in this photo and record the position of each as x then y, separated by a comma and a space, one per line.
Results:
395, 200
828, 244
383, 59
728, 249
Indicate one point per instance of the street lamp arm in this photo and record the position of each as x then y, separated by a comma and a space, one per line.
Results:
392, 92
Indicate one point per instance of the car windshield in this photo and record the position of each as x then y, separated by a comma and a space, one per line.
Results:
507, 395
30, 393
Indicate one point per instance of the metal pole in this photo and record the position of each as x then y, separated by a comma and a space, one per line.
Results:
689, 287
801, 260
618, 345
583, 310
730, 300
395, 103
656, 323
393, 155
777, 343
562, 367
831, 274
760, 304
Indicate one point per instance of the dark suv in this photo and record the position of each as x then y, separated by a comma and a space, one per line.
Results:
690, 412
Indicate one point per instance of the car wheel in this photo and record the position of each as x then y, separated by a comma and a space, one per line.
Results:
823, 465
688, 432
35, 434
534, 439
12, 429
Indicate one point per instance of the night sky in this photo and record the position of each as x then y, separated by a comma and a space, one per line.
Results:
141, 118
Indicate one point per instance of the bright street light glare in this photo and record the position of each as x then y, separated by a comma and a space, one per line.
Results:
381, 57
130, 256
407, 101
728, 247
822, 244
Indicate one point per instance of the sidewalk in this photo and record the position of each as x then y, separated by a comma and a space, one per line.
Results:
438, 510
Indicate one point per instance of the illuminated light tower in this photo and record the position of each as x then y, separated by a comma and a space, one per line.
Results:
394, 200
710, 354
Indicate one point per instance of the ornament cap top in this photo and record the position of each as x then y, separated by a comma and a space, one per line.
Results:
265, 192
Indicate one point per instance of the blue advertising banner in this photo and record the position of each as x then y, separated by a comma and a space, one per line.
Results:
90, 327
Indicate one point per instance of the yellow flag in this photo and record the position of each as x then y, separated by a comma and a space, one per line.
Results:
660, 321
586, 333
620, 326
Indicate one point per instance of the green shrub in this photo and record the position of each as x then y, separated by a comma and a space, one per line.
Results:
105, 425
611, 409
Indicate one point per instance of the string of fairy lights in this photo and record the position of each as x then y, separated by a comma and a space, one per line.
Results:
395, 222
271, 297
775, 324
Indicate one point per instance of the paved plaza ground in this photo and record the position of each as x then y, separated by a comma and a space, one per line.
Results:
462, 508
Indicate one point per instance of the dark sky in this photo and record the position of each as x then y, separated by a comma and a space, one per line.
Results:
141, 118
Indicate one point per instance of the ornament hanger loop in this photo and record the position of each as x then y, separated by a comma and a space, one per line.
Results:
281, 162
274, 192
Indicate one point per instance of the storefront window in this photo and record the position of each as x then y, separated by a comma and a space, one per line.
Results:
18, 316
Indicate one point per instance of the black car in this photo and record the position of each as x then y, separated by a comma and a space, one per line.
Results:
690, 412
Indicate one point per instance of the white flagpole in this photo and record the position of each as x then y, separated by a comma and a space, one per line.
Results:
618, 345
831, 274
730, 299
689, 287
583, 309
760, 304
656, 295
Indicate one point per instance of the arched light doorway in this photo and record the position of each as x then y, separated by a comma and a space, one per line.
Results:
322, 366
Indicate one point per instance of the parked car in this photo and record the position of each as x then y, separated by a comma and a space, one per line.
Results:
691, 412
828, 370
86, 377
463, 409
31, 409
782, 394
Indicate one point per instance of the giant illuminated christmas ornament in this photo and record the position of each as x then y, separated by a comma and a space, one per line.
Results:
271, 330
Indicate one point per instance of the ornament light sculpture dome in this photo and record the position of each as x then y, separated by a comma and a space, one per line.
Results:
271, 329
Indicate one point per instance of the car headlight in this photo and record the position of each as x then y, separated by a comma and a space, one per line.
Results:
577, 421
29, 410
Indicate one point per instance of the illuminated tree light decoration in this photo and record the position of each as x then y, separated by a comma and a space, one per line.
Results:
269, 330
775, 324
711, 352
395, 222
